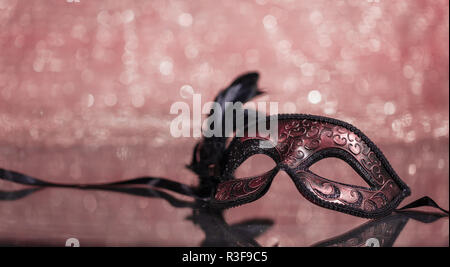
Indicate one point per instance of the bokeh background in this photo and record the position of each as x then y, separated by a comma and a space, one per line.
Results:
86, 88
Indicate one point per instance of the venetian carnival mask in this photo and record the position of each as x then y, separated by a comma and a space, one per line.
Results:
302, 141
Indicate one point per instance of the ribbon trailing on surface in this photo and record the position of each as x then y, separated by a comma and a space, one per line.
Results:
152, 190
155, 182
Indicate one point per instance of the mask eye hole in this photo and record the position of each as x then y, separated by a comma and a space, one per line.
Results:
337, 170
254, 165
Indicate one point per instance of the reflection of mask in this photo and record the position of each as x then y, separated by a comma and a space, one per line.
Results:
383, 232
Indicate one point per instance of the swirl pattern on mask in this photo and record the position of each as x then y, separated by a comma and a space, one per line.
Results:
239, 188
298, 139
303, 140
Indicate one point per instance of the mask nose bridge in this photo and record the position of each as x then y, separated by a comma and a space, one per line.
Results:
290, 171
275, 172
281, 167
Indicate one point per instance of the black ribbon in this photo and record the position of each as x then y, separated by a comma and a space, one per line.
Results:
423, 202
152, 191
155, 182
